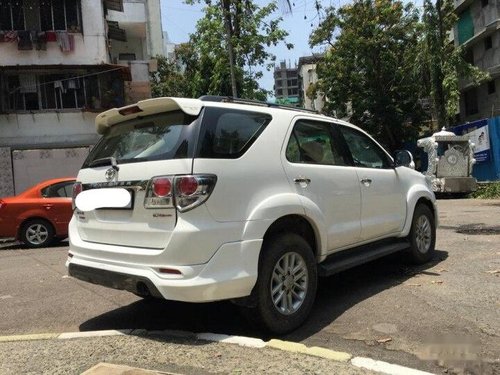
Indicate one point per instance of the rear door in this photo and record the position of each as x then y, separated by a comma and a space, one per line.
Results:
57, 203
383, 205
129, 156
320, 173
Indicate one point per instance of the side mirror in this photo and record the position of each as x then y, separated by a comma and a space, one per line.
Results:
403, 158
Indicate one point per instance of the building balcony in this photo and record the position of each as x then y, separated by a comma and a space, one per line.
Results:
488, 30
81, 50
52, 33
134, 12
461, 5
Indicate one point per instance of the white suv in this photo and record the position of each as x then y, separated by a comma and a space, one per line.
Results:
217, 198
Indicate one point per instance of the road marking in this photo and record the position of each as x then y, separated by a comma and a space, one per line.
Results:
385, 367
78, 335
32, 337
314, 351
294, 347
239, 340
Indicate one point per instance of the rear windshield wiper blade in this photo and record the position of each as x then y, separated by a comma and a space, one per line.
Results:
105, 161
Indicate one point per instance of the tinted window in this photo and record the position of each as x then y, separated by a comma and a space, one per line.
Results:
312, 142
60, 190
364, 151
228, 133
163, 136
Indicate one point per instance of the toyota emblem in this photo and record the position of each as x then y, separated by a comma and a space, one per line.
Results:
110, 174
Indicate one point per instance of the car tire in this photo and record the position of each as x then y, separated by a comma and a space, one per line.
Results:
286, 285
37, 233
422, 235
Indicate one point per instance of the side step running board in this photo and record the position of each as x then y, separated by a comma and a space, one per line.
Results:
354, 257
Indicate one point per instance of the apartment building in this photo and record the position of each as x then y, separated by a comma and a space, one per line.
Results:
478, 32
61, 63
286, 84
308, 76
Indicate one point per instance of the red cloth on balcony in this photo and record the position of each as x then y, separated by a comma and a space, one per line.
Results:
51, 36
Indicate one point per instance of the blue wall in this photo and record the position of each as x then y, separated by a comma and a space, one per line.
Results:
488, 170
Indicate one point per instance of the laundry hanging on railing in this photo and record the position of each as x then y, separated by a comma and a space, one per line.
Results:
65, 41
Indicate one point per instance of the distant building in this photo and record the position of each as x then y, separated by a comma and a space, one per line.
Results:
168, 47
478, 32
286, 84
308, 76
62, 62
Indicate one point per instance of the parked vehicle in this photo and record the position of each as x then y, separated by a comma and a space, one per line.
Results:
39, 215
218, 198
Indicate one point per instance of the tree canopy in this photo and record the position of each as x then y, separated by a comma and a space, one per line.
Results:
367, 72
206, 60
441, 63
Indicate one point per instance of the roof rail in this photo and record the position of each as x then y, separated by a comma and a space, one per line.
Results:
230, 99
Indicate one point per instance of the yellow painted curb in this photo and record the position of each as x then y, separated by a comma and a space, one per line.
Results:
314, 351
39, 336
287, 345
329, 354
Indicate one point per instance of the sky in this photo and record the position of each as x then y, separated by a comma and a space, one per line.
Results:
179, 20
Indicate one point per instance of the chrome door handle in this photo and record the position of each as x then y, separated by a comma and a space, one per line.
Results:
366, 181
302, 180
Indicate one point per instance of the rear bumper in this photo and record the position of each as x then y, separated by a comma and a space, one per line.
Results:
116, 280
230, 273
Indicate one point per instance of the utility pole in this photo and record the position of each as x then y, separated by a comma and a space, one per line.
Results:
226, 12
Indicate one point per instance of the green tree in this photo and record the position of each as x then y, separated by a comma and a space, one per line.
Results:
178, 77
367, 71
248, 30
169, 79
441, 63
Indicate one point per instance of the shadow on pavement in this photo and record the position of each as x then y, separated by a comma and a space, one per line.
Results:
340, 292
16, 245
336, 294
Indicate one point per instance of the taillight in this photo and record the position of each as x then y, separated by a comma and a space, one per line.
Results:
162, 186
77, 189
193, 190
159, 193
186, 185
2, 204
184, 192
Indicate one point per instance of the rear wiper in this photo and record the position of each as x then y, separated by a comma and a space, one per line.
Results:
105, 161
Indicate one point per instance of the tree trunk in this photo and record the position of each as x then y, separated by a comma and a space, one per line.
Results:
226, 9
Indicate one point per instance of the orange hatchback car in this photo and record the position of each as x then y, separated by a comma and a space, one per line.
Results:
39, 215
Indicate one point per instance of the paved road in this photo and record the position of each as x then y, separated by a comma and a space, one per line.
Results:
442, 314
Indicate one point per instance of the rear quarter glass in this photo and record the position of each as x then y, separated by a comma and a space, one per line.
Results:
229, 133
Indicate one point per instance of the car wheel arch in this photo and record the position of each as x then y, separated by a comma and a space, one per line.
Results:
422, 197
299, 225
285, 224
31, 218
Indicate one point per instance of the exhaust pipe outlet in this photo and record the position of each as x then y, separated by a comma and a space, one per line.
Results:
143, 290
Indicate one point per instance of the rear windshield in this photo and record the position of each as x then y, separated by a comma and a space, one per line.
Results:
228, 133
163, 136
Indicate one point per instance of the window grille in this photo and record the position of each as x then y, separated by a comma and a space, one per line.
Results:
38, 91
40, 15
